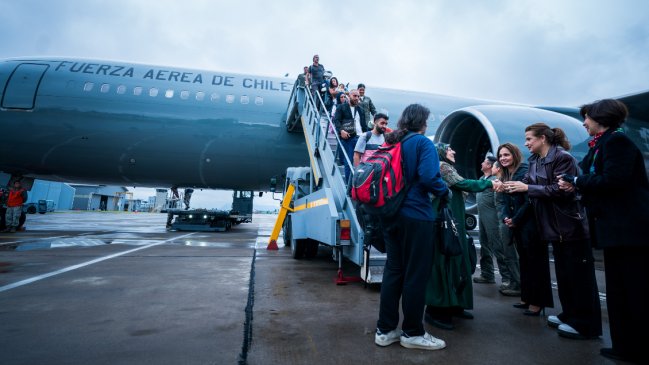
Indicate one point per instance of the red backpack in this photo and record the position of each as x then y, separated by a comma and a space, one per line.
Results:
379, 182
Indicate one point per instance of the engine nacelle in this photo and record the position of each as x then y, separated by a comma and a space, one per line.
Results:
476, 130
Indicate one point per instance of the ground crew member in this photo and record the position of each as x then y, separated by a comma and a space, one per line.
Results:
17, 197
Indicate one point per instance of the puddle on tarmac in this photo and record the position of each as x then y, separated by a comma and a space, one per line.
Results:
59, 243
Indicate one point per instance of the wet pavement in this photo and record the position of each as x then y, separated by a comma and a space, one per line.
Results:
117, 288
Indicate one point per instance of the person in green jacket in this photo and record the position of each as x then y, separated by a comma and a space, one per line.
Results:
449, 291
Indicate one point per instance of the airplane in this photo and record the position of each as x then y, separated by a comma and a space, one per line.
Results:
106, 122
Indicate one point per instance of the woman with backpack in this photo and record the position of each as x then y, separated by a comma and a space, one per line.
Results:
409, 237
449, 291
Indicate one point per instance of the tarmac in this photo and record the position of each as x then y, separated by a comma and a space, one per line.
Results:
117, 288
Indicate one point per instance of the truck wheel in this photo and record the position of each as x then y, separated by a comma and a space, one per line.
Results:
286, 231
297, 248
311, 249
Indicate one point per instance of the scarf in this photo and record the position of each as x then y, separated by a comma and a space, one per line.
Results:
449, 174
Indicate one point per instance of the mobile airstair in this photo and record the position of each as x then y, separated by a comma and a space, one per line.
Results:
316, 207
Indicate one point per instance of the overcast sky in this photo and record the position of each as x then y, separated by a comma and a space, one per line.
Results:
552, 52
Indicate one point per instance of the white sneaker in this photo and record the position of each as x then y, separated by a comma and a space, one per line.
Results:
425, 342
554, 321
386, 339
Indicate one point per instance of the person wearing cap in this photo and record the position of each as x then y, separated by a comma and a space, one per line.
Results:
449, 292
490, 240
367, 104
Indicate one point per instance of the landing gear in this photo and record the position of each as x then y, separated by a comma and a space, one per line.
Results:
470, 222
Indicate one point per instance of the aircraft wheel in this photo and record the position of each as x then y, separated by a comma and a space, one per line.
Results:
298, 248
311, 249
470, 222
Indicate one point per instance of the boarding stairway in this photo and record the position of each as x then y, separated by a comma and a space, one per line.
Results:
322, 210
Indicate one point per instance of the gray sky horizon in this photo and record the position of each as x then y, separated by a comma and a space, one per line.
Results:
562, 53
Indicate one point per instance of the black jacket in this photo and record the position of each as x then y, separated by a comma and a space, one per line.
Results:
616, 193
344, 112
517, 207
560, 215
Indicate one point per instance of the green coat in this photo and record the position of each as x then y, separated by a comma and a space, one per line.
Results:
440, 290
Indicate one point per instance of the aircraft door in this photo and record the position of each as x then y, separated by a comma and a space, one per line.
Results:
20, 91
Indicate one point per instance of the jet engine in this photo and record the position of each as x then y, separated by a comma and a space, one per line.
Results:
474, 131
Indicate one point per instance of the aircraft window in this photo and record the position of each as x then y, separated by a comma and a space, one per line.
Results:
229, 99
88, 86
200, 96
153, 91
259, 100
184, 94
105, 88
215, 97
245, 99
121, 89
169, 94
137, 90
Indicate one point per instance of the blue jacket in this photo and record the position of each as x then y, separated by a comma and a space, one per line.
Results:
421, 168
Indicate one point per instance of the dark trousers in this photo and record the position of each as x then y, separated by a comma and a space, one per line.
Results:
536, 284
578, 294
627, 294
409, 247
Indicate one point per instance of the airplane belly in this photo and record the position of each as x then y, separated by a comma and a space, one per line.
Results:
147, 150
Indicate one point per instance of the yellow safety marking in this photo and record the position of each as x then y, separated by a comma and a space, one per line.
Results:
285, 208
308, 146
313, 204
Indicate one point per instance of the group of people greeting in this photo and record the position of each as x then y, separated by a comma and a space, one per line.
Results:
601, 202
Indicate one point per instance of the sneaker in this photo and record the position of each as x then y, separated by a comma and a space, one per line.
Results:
425, 342
483, 280
386, 339
554, 321
569, 332
505, 285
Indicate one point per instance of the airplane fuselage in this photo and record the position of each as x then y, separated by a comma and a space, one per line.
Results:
138, 125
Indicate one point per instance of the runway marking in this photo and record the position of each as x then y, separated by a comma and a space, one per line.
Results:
74, 267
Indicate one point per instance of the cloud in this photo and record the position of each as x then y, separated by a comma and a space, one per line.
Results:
543, 53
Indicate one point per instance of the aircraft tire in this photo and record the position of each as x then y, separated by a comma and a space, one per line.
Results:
297, 248
470, 222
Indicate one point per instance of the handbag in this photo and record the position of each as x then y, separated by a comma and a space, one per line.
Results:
447, 234
349, 125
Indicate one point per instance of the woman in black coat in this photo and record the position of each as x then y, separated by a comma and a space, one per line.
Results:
615, 191
536, 284
561, 220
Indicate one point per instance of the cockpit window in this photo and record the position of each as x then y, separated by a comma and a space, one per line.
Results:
153, 91
88, 86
